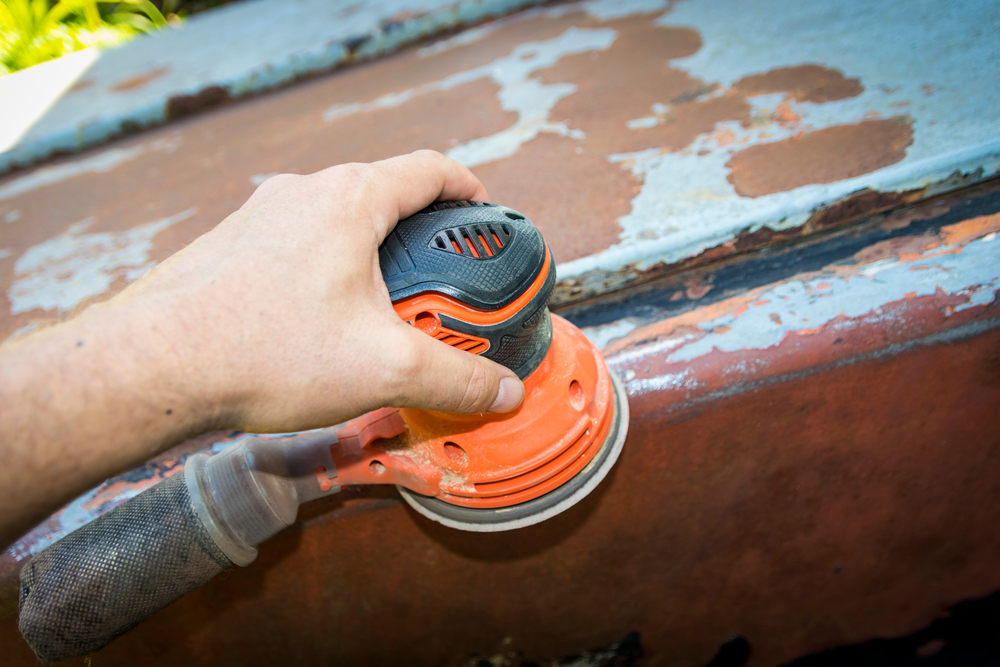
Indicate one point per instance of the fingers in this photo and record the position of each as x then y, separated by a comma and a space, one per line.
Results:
440, 377
408, 183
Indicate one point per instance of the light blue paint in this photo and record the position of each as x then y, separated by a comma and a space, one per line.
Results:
951, 92
802, 304
244, 48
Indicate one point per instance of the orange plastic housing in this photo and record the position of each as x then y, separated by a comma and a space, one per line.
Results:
491, 461
423, 311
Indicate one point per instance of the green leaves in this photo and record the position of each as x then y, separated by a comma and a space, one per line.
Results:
33, 31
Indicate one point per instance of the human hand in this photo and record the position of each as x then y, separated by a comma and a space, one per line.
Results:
277, 320
279, 317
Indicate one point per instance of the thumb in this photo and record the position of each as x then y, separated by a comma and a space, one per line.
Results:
450, 380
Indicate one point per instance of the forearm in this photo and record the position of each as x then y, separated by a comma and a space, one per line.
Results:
84, 400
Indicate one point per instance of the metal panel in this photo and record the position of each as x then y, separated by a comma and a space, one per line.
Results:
801, 478
216, 56
812, 454
641, 140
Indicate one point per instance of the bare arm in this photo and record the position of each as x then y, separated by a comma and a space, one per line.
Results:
276, 320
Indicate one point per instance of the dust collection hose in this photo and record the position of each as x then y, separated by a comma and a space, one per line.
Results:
104, 578
473, 275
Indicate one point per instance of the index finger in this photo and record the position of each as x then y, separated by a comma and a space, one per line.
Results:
409, 183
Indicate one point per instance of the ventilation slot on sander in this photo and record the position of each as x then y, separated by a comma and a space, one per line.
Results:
476, 241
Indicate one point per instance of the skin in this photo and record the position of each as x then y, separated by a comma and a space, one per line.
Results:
277, 320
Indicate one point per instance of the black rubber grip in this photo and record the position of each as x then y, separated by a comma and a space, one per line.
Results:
106, 577
485, 255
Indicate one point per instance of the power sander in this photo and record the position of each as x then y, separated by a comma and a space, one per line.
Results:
474, 275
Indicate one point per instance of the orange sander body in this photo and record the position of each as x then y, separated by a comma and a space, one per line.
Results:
473, 275
478, 276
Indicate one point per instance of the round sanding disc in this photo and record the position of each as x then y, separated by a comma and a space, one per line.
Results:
544, 507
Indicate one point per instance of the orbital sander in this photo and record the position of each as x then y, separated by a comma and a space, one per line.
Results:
474, 275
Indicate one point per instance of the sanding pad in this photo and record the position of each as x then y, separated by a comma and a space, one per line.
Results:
544, 507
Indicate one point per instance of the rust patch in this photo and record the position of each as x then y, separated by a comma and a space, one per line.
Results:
624, 82
501, 41
901, 247
179, 106
684, 123
139, 81
366, 82
382, 133
824, 156
971, 229
697, 286
806, 83
573, 195
82, 84
858, 204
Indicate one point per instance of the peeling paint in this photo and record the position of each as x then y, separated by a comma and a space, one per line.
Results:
231, 52
100, 163
519, 93
864, 293
619, 217
601, 336
67, 269
803, 305
687, 205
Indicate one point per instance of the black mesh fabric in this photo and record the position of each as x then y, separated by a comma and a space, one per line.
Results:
107, 576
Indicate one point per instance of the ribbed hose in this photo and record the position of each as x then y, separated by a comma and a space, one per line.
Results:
105, 577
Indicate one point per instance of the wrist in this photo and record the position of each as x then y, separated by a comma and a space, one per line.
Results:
156, 355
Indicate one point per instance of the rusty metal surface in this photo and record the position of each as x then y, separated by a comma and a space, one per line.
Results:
823, 483
211, 58
812, 459
643, 139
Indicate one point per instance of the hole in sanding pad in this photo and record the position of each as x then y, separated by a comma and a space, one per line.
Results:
576, 397
456, 454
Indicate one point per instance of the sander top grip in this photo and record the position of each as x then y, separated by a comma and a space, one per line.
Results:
476, 276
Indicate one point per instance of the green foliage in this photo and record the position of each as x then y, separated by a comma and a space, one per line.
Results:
33, 31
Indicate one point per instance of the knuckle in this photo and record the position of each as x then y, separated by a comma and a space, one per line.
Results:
430, 154
347, 175
276, 183
479, 392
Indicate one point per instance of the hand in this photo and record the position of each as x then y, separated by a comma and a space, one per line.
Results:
285, 315
276, 320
